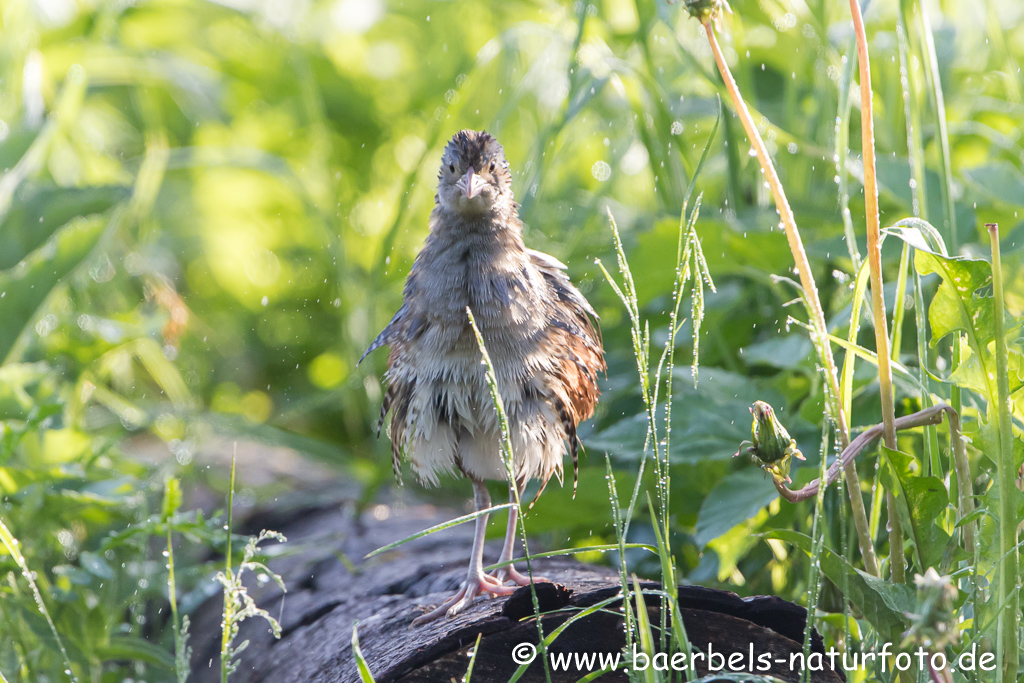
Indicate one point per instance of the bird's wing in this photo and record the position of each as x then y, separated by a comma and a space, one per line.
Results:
580, 353
542, 260
388, 334
553, 271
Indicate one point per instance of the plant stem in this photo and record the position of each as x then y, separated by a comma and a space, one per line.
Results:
172, 594
922, 418
229, 602
932, 77
1009, 613
867, 126
965, 486
841, 150
815, 311
508, 459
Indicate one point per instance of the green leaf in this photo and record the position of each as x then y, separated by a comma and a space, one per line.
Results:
790, 352
16, 381
708, 421
962, 301
971, 375
919, 234
96, 565
733, 501
919, 502
25, 287
999, 181
38, 211
440, 527
122, 647
882, 603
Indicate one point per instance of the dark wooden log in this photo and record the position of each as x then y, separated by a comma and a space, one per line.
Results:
383, 594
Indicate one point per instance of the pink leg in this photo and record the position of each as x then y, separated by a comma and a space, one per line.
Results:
477, 582
509, 572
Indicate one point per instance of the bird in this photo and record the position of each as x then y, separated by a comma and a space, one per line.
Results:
538, 329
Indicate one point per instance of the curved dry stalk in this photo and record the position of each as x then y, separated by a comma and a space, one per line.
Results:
817, 315
922, 418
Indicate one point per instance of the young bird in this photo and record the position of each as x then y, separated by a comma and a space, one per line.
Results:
537, 329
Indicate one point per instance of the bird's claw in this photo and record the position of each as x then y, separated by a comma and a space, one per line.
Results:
510, 573
482, 584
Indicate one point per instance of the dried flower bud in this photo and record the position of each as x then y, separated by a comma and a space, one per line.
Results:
770, 443
706, 10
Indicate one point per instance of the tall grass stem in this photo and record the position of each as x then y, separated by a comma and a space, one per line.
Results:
1008, 621
867, 125
815, 311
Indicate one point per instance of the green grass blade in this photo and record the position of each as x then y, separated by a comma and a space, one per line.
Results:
1007, 651
842, 150
594, 675
440, 527
644, 629
509, 461
605, 548
14, 548
365, 676
27, 285
472, 660
550, 638
846, 381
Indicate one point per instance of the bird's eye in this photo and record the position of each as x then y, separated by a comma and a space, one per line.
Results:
492, 167
451, 167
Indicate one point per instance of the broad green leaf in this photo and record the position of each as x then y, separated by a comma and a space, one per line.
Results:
882, 603
963, 301
971, 375
16, 381
96, 565
789, 352
919, 234
558, 508
999, 181
733, 501
37, 212
708, 421
25, 287
125, 647
919, 502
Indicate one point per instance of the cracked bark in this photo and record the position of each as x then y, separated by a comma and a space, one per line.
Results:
324, 600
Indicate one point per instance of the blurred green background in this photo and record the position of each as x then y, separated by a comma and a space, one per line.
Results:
207, 211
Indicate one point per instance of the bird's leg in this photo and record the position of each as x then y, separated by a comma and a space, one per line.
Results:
477, 582
509, 572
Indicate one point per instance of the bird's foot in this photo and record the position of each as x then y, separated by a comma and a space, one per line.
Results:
510, 573
481, 584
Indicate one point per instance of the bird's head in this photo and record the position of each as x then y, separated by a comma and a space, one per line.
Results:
474, 177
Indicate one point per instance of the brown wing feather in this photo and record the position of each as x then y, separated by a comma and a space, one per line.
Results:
580, 355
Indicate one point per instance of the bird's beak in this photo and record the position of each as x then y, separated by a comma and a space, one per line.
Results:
471, 184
